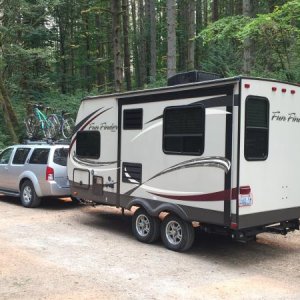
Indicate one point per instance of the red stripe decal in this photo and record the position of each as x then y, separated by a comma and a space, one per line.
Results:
217, 196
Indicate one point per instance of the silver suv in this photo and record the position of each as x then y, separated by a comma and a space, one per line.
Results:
32, 171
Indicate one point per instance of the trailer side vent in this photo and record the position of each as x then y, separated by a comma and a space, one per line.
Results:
133, 119
131, 172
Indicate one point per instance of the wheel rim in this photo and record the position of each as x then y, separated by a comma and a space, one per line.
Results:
174, 233
142, 224
27, 194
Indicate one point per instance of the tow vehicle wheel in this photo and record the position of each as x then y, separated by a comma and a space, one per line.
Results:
29, 197
145, 228
177, 234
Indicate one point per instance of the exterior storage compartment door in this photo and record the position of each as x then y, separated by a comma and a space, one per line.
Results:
81, 178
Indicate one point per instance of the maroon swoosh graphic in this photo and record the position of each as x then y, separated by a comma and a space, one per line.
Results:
217, 196
85, 125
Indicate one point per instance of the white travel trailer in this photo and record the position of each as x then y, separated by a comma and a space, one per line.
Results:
221, 154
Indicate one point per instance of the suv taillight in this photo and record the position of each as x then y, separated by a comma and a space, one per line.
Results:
49, 174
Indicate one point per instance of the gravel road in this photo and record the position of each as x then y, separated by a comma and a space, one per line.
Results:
65, 251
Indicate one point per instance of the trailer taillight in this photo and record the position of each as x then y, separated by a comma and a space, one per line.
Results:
247, 85
49, 174
293, 92
283, 90
245, 196
245, 190
274, 88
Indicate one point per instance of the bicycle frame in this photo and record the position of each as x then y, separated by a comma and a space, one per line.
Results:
41, 117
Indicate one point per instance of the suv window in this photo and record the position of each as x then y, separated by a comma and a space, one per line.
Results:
60, 156
5, 156
39, 156
20, 156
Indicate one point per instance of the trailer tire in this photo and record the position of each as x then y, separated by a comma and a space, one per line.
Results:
177, 234
145, 228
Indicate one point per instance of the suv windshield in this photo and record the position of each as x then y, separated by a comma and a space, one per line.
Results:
60, 156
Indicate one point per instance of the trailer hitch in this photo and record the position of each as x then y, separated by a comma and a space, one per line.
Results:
284, 227
87, 202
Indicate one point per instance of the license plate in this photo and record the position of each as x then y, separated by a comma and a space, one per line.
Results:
245, 200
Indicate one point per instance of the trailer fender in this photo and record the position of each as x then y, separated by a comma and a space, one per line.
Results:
154, 210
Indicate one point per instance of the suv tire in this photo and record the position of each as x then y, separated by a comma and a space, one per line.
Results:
29, 197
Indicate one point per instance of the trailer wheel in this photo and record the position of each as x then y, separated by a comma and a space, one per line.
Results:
145, 228
177, 234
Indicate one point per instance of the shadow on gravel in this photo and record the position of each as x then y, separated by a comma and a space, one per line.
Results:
108, 221
217, 249
47, 203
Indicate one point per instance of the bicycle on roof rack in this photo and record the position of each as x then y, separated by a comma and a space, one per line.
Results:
64, 124
39, 123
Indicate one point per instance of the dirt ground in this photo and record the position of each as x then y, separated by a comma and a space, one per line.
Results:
66, 251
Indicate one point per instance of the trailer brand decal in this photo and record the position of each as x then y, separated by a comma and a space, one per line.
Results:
84, 123
289, 118
103, 126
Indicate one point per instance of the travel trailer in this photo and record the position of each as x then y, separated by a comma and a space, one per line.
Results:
221, 154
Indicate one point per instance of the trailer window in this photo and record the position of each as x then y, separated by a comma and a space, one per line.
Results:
133, 119
88, 144
183, 130
256, 128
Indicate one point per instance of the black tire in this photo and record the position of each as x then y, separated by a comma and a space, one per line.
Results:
68, 128
48, 129
31, 127
29, 197
177, 234
145, 228
53, 119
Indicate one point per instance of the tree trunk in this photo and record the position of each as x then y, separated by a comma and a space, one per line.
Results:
135, 45
126, 45
142, 42
191, 34
153, 53
215, 10
247, 9
171, 25
199, 24
116, 23
8, 113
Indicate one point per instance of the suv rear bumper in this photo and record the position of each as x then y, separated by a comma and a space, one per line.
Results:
53, 189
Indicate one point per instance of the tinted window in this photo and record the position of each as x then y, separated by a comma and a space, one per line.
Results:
60, 156
183, 130
39, 156
5, 156
256, 128
88, 144
20, 156
133, 119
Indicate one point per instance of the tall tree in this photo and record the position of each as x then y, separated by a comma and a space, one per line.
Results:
191, 34
126, 44
171, 24
116, 28
153, 50
247, 12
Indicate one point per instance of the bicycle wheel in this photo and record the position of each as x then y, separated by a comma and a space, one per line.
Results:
68, 128
31, 127
48, 129
56, 123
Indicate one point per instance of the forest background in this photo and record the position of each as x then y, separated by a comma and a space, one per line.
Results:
58, 51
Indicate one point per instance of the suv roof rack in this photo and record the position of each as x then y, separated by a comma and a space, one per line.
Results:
46, 142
